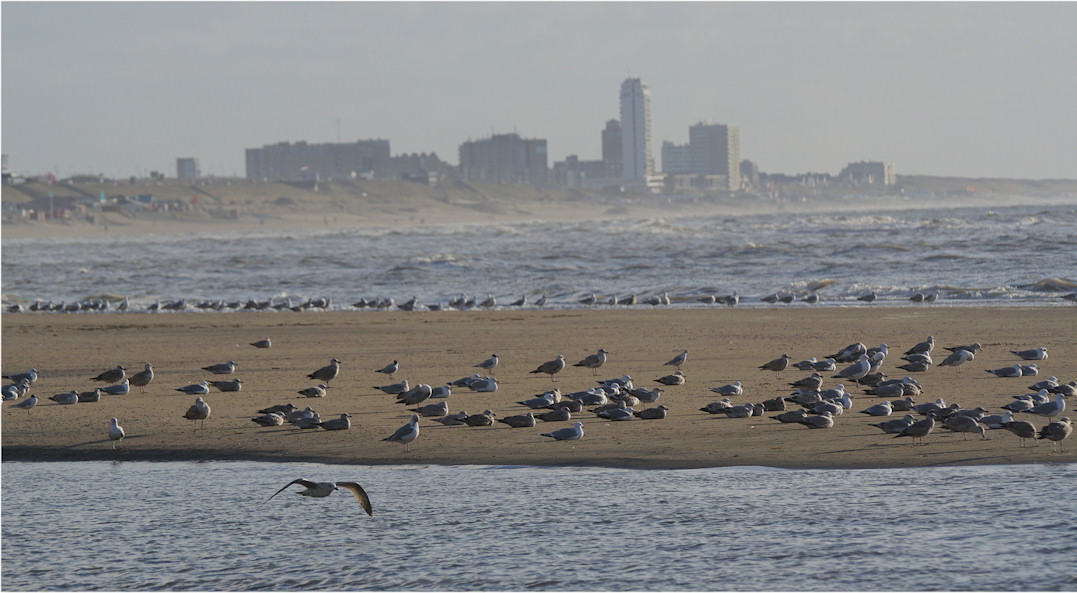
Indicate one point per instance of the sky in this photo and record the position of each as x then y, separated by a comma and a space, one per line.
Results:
963, 89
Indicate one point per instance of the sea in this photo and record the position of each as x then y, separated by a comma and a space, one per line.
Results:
1014, 251
196, 526
127, 526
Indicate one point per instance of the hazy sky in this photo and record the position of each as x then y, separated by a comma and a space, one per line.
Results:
964, 89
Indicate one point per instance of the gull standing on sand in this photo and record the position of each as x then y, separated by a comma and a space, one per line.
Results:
115, 431
571, 433
1057, 432
199, 411
957, 358
551, 367
777, 365
1023, 429
489, 363
406, 434
224, 368
266, 343
389, 369
918, 429
1050, 409
594, 361
112, 375
855, 371
326, 373
26, 404
142, 378
965, 425
678, 360
323, 489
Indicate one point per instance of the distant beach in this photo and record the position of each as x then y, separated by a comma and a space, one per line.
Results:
724, 345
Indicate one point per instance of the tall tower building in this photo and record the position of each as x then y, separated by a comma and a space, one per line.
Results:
637, 163
715, 150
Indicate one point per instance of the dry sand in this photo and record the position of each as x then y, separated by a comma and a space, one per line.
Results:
435, 347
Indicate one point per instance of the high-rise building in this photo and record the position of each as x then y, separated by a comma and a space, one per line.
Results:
715, 150
505, 158
676, 158
611, 143
187, 169
301, 161
637, 163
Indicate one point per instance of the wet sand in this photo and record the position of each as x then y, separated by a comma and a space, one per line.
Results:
725, 345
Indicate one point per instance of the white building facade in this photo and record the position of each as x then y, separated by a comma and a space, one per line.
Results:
637, 162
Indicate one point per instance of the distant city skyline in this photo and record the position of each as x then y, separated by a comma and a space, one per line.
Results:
957, 89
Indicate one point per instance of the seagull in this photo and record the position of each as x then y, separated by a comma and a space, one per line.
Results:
453, 419
326, 373
924, 347
316, 391
974, 348
199, 411
486, 418
883, 409
557, 415
272, 419
647, 396
389, 369
484, 385
521, 421
200, 388
656, 413
30, 375
593, 361
730, 300
567, 434
628, 300
112, 375
142, 378
323, 489
997, 420
415, 395
26, 404
541, 301
115, 431
393, 389
90, 396
732, 389
777, 365
957, 358
677, 378
1023, 429
1014, 371
439, 409
543, 401
1029, 370
224, 368
266, 343
1033, 354
441, 391
72, 397
233, 385
551, 367
869, 297
406, 434
965, 424
895, 426
856, 371
342, 423
824, 420
489, 363
678, 360
918, 429
1057, 432
118, 389
1049, 409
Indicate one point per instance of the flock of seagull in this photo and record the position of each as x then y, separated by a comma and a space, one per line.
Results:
620, 399
460, 302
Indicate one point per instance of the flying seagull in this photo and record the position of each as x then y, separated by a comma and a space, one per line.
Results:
323, 489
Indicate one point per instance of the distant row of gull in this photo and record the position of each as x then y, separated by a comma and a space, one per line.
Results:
461, 302
620, 399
